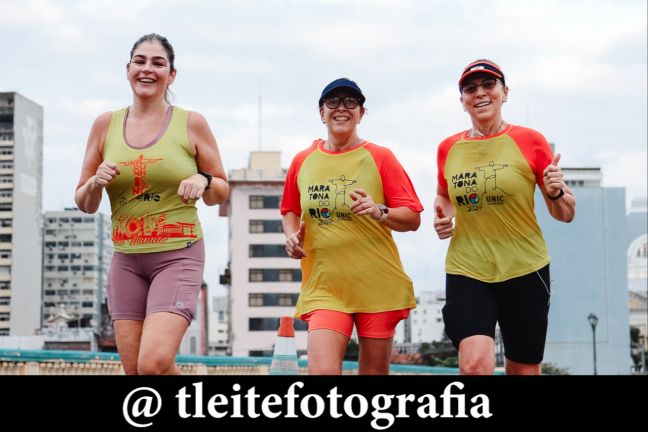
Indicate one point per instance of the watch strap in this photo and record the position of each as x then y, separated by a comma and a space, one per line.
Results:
561, 193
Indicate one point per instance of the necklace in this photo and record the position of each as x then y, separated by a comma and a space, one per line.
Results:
475, 133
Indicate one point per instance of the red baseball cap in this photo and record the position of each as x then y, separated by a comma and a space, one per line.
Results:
483, 66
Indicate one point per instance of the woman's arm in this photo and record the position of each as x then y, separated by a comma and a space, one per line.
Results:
400, 219
563, 208
443, 214
294, 230
208, 160
95, 172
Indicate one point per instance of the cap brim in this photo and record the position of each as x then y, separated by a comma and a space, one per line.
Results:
472, 72
351, 89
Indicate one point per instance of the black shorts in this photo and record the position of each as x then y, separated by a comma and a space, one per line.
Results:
520, 305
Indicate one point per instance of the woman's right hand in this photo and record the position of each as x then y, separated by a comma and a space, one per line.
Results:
442, 223
295, 242
106, 172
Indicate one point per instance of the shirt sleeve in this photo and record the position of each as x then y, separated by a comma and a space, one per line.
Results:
535, 148
291, 200
442, 156
397, 186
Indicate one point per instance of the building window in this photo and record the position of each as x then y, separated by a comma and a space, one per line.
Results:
264, 201
290, 275
268, 251
272, 324
255, 300
265, 226
275, 275
272, 299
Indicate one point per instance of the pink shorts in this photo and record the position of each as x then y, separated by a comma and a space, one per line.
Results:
140, 284
380, 325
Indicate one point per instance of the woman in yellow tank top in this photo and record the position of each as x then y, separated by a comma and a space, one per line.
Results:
155, 161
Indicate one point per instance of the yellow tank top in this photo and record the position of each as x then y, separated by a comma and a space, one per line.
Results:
147, 213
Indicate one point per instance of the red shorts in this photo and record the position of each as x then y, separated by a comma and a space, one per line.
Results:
380, 325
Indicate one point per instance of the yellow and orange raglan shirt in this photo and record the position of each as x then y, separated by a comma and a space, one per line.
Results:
491, 182
352, 263
147, 213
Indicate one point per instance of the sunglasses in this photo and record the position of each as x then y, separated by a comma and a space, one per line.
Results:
349, 102
487, 85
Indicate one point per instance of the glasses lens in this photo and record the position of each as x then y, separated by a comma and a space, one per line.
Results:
469, 88
333, 102
489, 84
351, 102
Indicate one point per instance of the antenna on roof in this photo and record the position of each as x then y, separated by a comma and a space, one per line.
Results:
260, 105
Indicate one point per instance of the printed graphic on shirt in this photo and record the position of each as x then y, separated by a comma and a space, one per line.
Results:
139, 171
149, 229
321, 196
474, 188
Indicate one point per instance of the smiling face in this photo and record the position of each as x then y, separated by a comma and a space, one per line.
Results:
341, 121
481, 99
149, 71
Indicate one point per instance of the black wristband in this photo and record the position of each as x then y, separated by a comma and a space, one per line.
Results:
561, 193
207, 176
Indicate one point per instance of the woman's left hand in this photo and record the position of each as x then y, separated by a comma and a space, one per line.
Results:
553, 177
192, 188
363, 204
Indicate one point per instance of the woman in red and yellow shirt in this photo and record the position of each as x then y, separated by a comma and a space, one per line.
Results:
343, 196
497, 264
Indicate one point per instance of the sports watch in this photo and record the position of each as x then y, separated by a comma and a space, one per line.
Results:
207, 176
384, 210
561, 193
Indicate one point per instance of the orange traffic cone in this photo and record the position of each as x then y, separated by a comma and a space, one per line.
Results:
284, 359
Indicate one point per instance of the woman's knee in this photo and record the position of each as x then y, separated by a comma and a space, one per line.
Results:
154, 364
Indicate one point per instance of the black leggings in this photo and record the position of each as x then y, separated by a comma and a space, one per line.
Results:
520, 305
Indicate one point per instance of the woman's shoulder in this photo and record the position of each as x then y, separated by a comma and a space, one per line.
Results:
445, 145
526, 133
301, 155
102, 122
378, 150
195, 120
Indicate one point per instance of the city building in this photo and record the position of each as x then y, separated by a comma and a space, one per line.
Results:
77, 249
424, 324
219, 327
263, 281
21, 159
588, 276
426, 321
637, 228
195, 339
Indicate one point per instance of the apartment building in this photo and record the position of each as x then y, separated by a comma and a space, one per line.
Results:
77, 250
21, 156
263, 281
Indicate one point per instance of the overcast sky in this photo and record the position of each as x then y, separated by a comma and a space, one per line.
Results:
576, 71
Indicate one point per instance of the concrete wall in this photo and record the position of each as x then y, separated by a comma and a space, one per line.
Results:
588, 274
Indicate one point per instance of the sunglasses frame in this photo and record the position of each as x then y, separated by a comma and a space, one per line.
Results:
342, 101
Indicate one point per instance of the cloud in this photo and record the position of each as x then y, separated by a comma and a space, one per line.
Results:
577, 71
30, 13
625, 169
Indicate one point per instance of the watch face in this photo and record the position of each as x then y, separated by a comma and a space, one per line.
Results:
383, 208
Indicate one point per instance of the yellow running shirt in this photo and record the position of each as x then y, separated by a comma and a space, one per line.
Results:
147, 213
490, 182
352, 263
